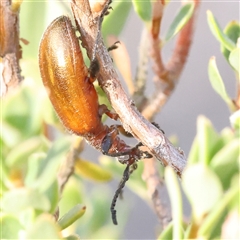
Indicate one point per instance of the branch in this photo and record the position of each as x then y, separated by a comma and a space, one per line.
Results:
157, 191
130, 117
165, 80
10, 49
67, 167
166, 76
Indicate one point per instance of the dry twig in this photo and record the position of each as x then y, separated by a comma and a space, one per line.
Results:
130, 117
165, 79
10, 49
166, 76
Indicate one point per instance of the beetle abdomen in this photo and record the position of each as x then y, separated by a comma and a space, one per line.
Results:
65, 77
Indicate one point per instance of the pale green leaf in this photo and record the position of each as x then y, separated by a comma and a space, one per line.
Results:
19, 154
232, 30
209, 141
44, 227
180, 20
21, 199
70, 217
234, 60
176, 202
10, 227
72, 237
71, 196
119, 15
143, 9
91, 171
203, 189
217, 82
209, 223
218, 33
167, 233
225, 162
235, 120
49, 166
193, 156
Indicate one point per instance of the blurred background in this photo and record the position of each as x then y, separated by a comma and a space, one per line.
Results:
193, 96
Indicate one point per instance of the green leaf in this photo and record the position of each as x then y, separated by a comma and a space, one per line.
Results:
44, 228
120, 13
34, 164
167, 233
143, 9
217, 82
71, 196
209, 142
203, 189
225, 162
235, 120
49, 166
176, 202
10, 227
227, 135
53, 195
101, 210
19, 155
21, 199
211, 220
73, 215
92, 171
180, 20
232, 30
218, 33
72, 237
193, 156
26, 117
234, 60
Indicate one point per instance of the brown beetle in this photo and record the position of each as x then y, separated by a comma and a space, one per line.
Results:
70, 88
71, 91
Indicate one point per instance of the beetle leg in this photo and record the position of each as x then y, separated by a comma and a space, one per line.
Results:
103, 109
114, 46
125, 156
93, 69
157, 126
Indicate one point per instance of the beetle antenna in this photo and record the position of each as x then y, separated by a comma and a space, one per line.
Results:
126, 175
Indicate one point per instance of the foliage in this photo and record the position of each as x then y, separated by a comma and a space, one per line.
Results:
30, 161
211, 178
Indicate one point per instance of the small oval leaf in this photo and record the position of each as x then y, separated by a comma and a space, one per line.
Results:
44, 228
203, 189
235, 121
121, 12
225, 162
232, 30
209, 142
143, 9
21, 199
73, 215
10, 227
217, 82
218, 33
234, 60
212, 219
176, 202
180, 20
92, 171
